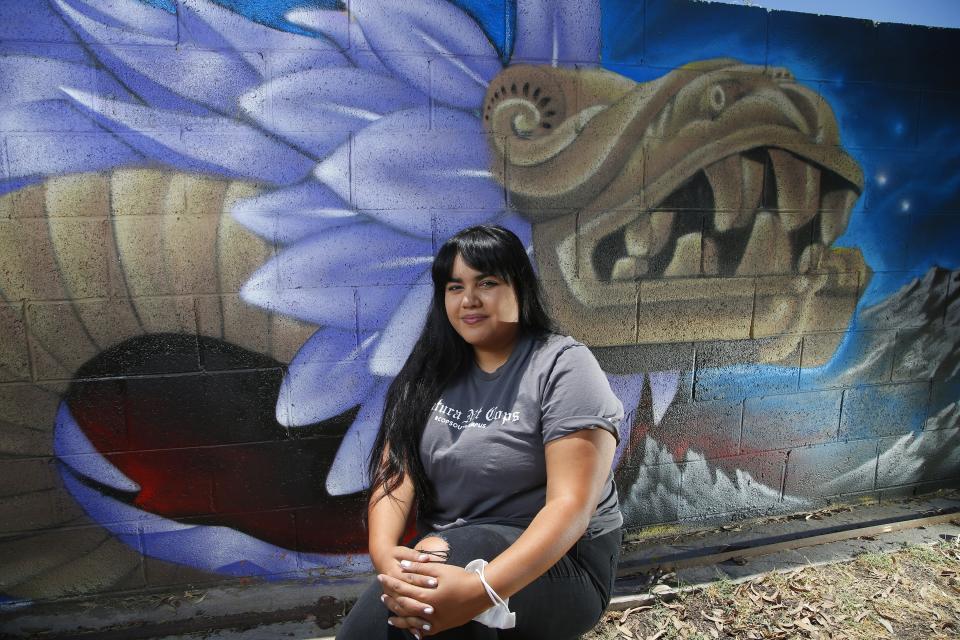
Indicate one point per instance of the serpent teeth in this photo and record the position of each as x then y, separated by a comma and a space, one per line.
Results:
737, 184
686, 257
711, 257
649, 234
726, 178
629, 268
798, 188
637, 236
810, 258
768, 249
837, 206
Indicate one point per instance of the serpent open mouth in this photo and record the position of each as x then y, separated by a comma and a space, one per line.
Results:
700, 206
695, 232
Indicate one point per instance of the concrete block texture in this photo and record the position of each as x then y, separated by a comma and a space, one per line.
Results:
700, 429
368, 175
895, 127
944, 412
832, 468
660, 32
649, 493
66, 336
805, 303
28, 498
935, 106
63, 562
921, 302
877, 347
952, 317
235, 334
913, 458
26, 419
30, 153
220, 408
925, 354
699, 309
297, 111
730, 370
784, 421
919, 69
598, 313
843, 39
884, 410
39, 259
82, 194
14, 358
742, 483
624, 41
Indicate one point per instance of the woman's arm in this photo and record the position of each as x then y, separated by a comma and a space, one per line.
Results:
577, 469
387, 516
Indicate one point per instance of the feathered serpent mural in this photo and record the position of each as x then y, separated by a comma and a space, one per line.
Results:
312, 158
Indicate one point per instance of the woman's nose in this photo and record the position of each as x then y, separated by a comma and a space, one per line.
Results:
470, 298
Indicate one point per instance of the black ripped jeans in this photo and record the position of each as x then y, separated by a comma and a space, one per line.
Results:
562, 604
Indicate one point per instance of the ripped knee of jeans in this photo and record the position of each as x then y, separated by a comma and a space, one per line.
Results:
434, 546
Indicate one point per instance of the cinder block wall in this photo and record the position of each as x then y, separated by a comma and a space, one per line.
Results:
216, 226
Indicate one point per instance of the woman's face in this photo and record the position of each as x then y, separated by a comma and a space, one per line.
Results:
482, 308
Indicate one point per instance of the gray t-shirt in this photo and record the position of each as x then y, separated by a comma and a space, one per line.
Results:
483, 445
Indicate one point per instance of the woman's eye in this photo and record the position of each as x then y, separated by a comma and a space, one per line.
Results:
488, 283
454, 287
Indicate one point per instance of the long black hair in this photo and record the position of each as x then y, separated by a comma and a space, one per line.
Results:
440, 354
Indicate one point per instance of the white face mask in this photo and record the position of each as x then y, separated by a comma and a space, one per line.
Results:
499, 615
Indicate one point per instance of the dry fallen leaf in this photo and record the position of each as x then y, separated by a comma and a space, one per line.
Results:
887, 615
887, 626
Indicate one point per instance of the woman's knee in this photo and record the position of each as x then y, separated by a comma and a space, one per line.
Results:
435, 547
461, 545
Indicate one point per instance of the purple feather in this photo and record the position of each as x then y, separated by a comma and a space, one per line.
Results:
462, 59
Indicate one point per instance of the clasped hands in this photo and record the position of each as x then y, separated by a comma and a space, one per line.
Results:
425, 595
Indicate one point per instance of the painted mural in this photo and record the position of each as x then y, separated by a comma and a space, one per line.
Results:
217, 222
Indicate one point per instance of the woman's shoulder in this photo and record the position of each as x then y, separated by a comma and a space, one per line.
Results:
551, 346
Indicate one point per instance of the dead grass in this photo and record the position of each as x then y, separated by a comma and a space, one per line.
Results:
910, 594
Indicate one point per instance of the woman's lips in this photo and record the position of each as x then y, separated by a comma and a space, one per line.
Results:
473, 319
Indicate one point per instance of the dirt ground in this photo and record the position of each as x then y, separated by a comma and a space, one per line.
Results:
913, 593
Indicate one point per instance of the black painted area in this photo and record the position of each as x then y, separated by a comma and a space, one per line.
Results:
206, 447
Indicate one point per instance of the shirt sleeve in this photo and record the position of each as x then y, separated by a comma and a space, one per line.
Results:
578, 396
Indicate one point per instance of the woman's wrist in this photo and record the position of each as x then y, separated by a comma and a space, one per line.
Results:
478, 600
381, 556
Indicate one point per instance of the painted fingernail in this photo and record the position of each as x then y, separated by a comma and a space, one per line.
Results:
432, 582
383, 597
389, 622
428, 610
406, 564
416, 635
426, 627
423, 558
